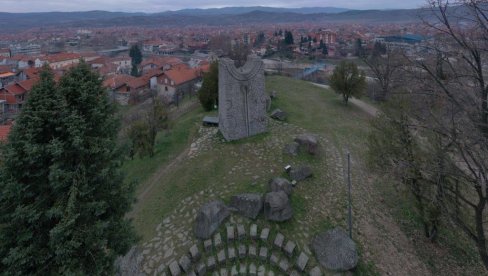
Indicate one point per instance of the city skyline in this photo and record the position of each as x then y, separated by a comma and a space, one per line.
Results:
152, 6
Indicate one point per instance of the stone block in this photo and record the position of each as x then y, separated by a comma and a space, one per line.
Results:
263, 253
241, 232
174, 268
185, 263
217, 240
243, 269
194, 253
302, 262
289, 248
242, 251
315, 271
252, 269
209, 218
264, 234
279, 240
253, 231
230, 233
221, 258
201, 269
252, 251
274, 259
231, 253
247, 205
224, 272
207, 245
211, 263
284, 265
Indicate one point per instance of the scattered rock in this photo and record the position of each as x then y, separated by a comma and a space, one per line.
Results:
209, 218
309, 142
300, 173
277, 206
174, 268
185, 263
248, 205
291, 149
279, 115
195, 253
280, 184
335, 250
201, 269
130, 264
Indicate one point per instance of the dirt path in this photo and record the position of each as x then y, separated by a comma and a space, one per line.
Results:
163, 170
371, 110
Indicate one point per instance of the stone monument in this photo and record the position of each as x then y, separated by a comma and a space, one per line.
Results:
242, 100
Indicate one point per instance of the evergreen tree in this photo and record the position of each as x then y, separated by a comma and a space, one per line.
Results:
325, 50
63, 199
136, 57
209, 93
288, 38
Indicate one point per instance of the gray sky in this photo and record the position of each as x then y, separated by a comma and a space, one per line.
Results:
164, 5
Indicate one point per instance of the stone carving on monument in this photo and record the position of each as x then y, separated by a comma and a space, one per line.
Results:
242, 100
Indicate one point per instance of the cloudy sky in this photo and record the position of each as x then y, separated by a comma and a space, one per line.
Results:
164, 5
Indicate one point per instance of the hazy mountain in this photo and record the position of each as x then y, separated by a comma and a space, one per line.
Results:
243, 10
211, 17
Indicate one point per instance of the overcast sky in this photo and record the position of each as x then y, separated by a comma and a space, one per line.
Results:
164, 5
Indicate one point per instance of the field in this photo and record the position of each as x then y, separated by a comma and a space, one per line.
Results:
193, 165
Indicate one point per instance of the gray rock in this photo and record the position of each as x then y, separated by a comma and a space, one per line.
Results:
242, 251
280, 184
185, 263
315, 271
302, 262
279, 115
217, 240
291, 149
241, 232
201, 269
289, 248
300, 173
207, 244
174, 268
209, 218
279, 240
211, 263
253, 231
309, 141
263, 253
277, 206
264, 234
230, 233
231, 253
252, 251
131, 263
224, 272
284, 265
248, 205
335, 250
221, 258
274, 259
195, 253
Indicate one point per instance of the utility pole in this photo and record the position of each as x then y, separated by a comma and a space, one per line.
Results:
349, 216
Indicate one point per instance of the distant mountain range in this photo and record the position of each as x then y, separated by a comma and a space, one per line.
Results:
210, 17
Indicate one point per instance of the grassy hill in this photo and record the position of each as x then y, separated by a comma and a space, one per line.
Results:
193, 165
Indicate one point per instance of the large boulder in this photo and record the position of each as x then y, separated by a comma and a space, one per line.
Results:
277, 206
335, 250
280, 184
292, 149
248, 205
209, 218
279, 115
309, 141
300, 173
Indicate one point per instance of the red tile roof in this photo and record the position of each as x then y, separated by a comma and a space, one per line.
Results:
181, 75
27, 84
4, 131
4, 95
138, 83
15, 89
62, 57
117, 81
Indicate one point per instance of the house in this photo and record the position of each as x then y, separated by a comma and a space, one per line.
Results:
6, 78
4, 132
118, 88
5, 52
178, 82
15, 95
58, 61
164, 63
